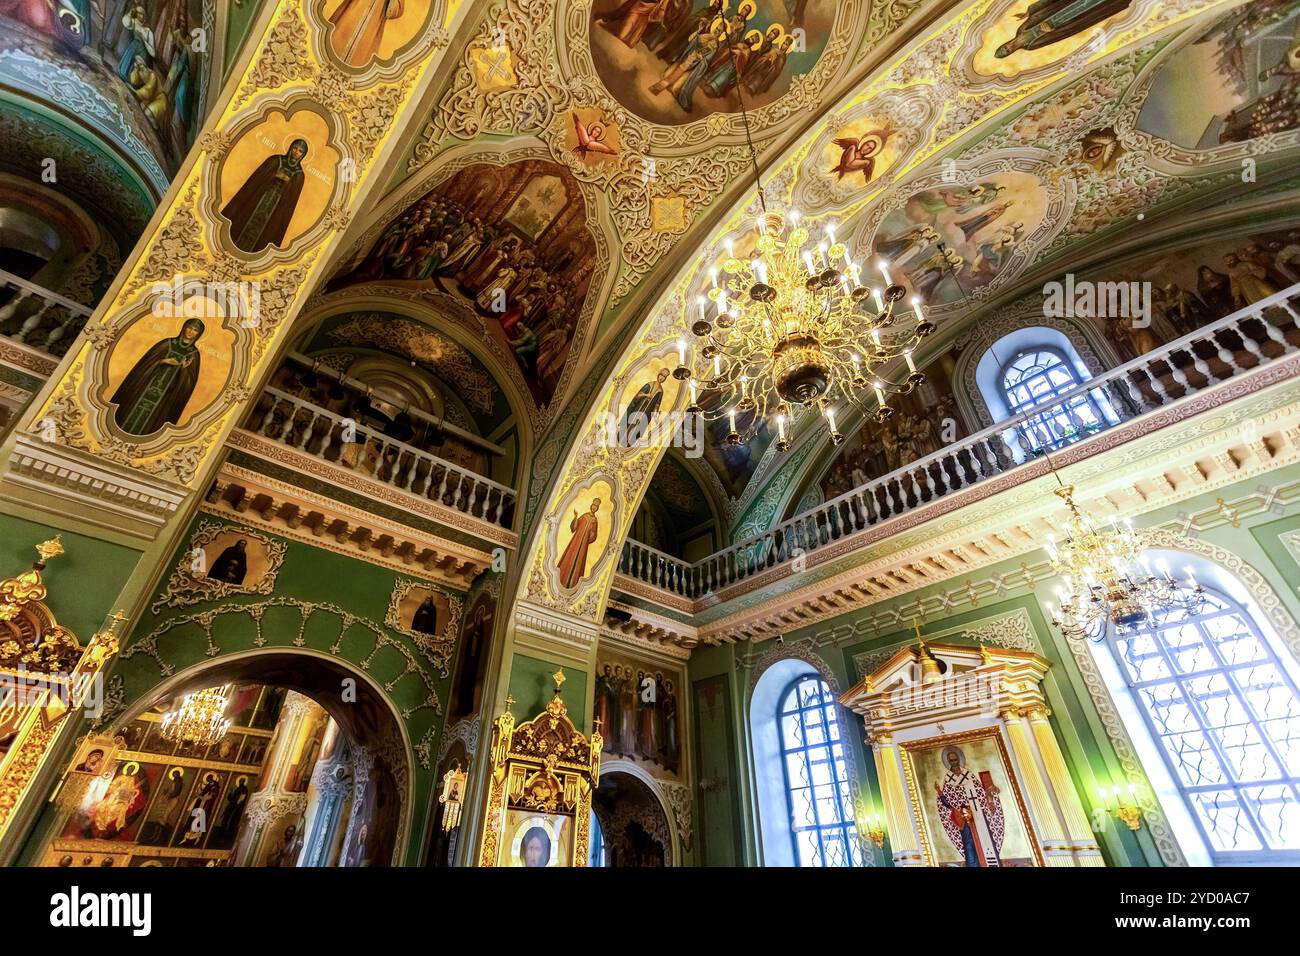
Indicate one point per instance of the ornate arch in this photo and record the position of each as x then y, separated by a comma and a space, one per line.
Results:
519, 149
401, 756
669, 809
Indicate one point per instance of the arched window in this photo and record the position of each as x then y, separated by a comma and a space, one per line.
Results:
1224, 712
816, 779
1036, 376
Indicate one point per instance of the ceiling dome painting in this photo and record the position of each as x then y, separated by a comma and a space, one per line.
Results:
669, 62
1237, 81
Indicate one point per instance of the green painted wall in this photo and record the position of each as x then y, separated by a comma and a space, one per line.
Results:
532, 686
721, 676
84, 582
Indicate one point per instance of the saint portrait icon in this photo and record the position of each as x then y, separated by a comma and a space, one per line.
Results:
157, 389
536, 847
260, 212
970, 809
573, 562
642, 408
537, 840
358, 28
425, 619
968, 803
231, 566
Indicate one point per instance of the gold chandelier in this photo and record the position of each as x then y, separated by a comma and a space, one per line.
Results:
794, 324
200, 719
789, 321
1106, 580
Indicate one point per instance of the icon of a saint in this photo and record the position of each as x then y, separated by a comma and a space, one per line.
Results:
970, 811
231, 566
260, 212
359, 28
535, 849
157, 389
425, 619
641, 409
573, 562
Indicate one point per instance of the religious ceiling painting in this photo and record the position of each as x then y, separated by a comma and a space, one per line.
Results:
679, 491
674, 61
923, 422
735, 464
146, 50
1238, 80
1024, 39
462, 389
170, 367
638, 705
964, 231
276, 181
647, 398
362, 33
859, 152
512, 242
967, 802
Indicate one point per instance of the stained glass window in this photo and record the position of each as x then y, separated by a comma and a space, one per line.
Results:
1226, 716
816, 780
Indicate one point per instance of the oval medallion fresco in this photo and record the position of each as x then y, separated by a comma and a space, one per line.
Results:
676, 61
952, 239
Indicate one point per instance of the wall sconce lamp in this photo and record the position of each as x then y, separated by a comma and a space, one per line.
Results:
874, 828
1125, 808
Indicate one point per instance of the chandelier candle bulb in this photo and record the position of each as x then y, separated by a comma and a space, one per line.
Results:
911, 366
880, 301
916, 307
884, 272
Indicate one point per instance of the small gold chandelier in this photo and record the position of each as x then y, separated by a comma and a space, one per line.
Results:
1106, 579
200, 719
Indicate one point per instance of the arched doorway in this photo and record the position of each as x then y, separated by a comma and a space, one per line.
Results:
312, 770
630, 827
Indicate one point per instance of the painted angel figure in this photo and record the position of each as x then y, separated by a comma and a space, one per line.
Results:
970, 811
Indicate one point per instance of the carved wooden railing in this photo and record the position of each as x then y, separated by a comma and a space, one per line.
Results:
346, 443
37, 317
1238, 343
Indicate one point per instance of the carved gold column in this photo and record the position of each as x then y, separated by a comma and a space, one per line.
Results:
1047, 822
898, 811
1083, 842
295, 112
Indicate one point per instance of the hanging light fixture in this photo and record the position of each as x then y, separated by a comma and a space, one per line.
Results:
791, 319
200, 719
1106, 579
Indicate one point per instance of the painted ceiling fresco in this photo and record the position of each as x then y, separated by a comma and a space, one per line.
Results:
512, 243
1007, 140
673, 61
140, 54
